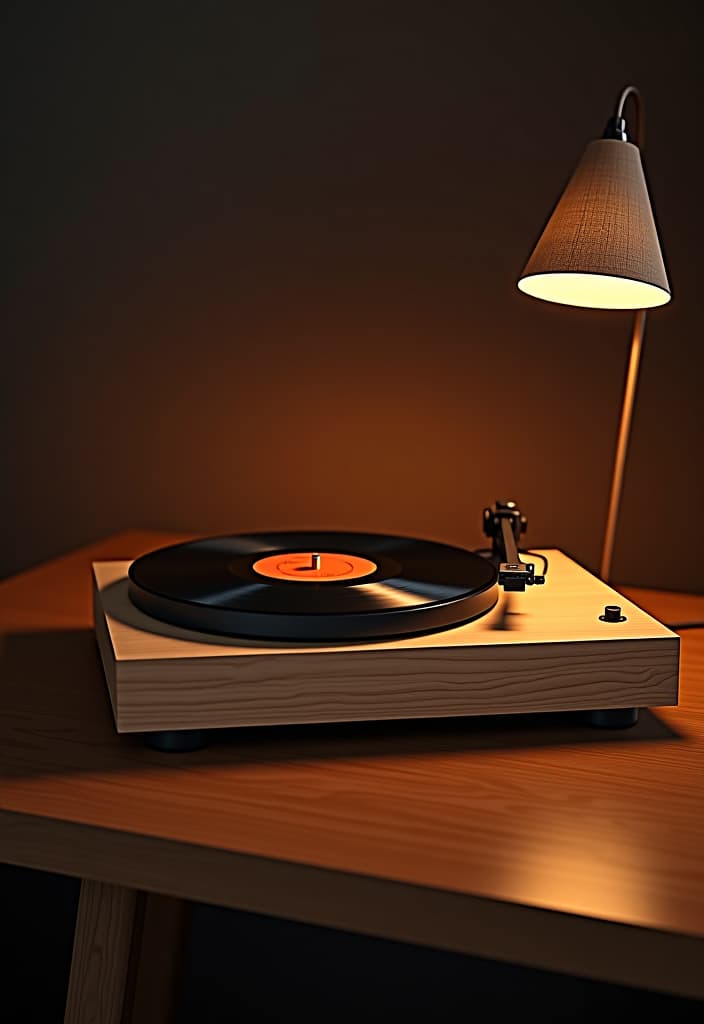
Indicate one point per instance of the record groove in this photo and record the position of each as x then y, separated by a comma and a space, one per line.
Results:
396, 586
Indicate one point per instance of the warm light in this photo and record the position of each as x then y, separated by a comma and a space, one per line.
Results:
594, 291
314, 566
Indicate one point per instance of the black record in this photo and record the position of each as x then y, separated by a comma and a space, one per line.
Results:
404, 586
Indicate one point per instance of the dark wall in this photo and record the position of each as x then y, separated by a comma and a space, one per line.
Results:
263, 262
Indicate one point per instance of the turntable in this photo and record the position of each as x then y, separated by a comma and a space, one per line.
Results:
301, 627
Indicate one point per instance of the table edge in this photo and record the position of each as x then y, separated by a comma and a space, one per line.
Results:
474, 925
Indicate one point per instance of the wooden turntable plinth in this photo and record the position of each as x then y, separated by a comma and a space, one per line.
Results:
543, 650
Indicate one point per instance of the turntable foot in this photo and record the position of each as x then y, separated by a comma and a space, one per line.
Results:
613, 718
177, 741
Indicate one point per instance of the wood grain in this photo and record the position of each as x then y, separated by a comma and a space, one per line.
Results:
528, 838
551, 653
101, 953
107, 651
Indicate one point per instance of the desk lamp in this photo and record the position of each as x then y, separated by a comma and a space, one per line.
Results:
600, 250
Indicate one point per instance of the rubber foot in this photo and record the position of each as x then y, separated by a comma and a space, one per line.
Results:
613, 718
177, 741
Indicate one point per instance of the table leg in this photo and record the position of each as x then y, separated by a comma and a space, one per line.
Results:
127, 954
102, 943
157, 973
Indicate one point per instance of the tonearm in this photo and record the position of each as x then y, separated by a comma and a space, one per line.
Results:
504, 524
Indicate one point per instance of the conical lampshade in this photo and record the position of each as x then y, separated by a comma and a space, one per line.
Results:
600, 248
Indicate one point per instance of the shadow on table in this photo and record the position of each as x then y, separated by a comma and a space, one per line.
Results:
55, 717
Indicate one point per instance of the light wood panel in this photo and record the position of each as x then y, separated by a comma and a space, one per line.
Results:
101, 954
545, 650
527, 838
567, 607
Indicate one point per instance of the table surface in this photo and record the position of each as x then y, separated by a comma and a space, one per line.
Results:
515, 812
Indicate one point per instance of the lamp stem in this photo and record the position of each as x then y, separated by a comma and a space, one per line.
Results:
632, 91
622, 444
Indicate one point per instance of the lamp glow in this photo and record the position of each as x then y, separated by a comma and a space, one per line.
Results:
594, 291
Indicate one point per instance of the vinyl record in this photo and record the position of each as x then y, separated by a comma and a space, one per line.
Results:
309, 586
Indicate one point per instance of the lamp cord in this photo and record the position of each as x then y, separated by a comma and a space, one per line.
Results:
632, 90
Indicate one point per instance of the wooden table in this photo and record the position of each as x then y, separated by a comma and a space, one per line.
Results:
530, 839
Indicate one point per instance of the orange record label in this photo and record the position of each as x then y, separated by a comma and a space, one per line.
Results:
314, 566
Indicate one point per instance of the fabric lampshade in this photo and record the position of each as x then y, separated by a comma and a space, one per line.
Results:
600, 247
